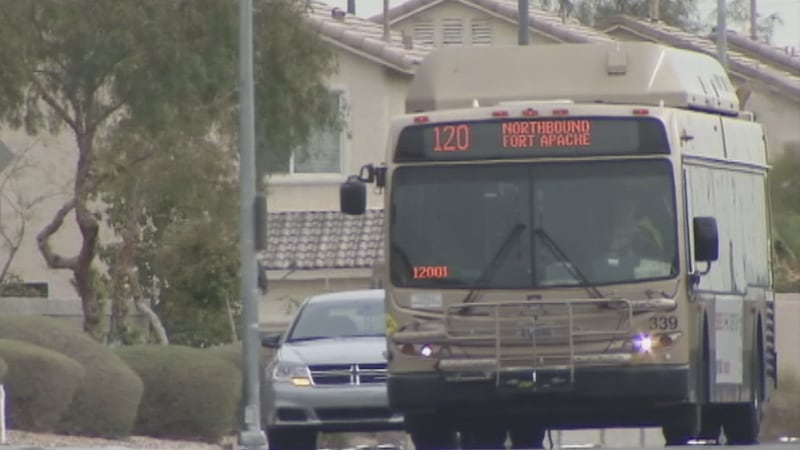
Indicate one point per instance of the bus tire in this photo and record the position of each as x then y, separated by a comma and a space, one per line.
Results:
527, 436
487, 434
427, 433
742, 422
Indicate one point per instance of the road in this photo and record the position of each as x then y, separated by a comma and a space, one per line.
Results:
788, 446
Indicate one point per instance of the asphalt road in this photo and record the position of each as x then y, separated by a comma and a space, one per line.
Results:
787, 446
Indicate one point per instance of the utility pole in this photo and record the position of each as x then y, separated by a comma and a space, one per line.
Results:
753, 20
523, 24
387, 36
722, 33
252, 437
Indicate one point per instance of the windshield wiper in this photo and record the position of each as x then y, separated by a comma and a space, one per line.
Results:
495, 262
564, 259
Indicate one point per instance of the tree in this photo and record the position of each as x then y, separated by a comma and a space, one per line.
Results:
738, 17
678, 13
154, 66
785, 196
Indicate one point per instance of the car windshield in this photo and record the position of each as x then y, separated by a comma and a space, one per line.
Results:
329, 319
530, 226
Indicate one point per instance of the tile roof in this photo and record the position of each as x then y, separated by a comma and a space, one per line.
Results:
365, 36
306, 240
778, 57
740, 64
540, 20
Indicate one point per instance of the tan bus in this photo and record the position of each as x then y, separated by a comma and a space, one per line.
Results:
576, 235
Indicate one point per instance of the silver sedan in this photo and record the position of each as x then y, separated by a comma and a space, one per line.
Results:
329, 371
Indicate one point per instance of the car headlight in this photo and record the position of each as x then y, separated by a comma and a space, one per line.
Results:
294, 373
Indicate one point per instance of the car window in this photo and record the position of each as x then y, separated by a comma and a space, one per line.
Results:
328, 319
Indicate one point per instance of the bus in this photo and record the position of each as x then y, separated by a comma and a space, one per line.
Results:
576, 236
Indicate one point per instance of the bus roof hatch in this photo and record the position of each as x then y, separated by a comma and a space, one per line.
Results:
638, 73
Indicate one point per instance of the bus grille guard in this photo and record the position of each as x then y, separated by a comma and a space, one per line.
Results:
532, 344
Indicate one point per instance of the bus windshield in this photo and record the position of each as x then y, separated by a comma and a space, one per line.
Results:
518, 226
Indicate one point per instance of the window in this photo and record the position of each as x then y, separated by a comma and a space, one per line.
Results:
423, 31
452, 32
323, 153
481, 32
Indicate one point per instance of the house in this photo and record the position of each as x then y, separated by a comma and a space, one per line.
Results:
773, 80
482, 22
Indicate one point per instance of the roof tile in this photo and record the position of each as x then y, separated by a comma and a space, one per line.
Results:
308, 240
366, 36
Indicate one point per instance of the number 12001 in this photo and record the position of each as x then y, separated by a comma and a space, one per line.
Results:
430, 272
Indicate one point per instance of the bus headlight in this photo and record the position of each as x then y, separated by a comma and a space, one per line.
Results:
646, 343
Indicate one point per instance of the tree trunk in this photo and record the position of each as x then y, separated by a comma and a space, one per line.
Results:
81, 265
125, 278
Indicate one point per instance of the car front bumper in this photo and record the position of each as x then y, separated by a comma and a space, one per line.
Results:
330, 408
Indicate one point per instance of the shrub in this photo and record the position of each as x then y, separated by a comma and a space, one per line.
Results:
188, 393
107, 398
41, 384
782, 415
233, 354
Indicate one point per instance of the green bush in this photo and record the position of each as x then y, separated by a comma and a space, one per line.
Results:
188, 393
106, 400
233, 354
782, 415
3, 370
40, 384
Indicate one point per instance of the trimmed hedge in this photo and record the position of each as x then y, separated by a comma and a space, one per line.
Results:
3, 370
233, 354
106, 400
188, 393
41, 384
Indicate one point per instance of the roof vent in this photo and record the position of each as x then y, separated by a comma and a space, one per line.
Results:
338, 14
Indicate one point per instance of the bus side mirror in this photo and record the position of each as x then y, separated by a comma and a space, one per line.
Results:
706, 239
353, 196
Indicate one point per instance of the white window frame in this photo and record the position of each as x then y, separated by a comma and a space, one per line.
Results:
454, 22
292, 177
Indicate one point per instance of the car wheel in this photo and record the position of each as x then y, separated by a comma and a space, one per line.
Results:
292, 439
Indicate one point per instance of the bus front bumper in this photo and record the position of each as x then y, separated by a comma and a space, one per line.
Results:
634, 388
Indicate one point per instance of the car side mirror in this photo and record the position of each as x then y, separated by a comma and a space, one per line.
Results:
706, 239
272, 340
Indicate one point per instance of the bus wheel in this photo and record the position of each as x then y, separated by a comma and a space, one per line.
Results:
742, 423
682, 426
487, 435
426, 435
527, 436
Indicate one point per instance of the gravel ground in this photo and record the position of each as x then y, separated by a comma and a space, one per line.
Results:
24, 438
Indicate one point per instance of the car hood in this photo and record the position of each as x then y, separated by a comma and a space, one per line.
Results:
335, 351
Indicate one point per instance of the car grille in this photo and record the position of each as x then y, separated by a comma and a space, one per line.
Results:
333, 374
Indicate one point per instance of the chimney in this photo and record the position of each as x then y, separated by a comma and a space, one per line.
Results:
351, 7
654, 11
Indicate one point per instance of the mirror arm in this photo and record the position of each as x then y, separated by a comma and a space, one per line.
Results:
370, 173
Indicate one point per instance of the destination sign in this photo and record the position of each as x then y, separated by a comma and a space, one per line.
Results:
526, 138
